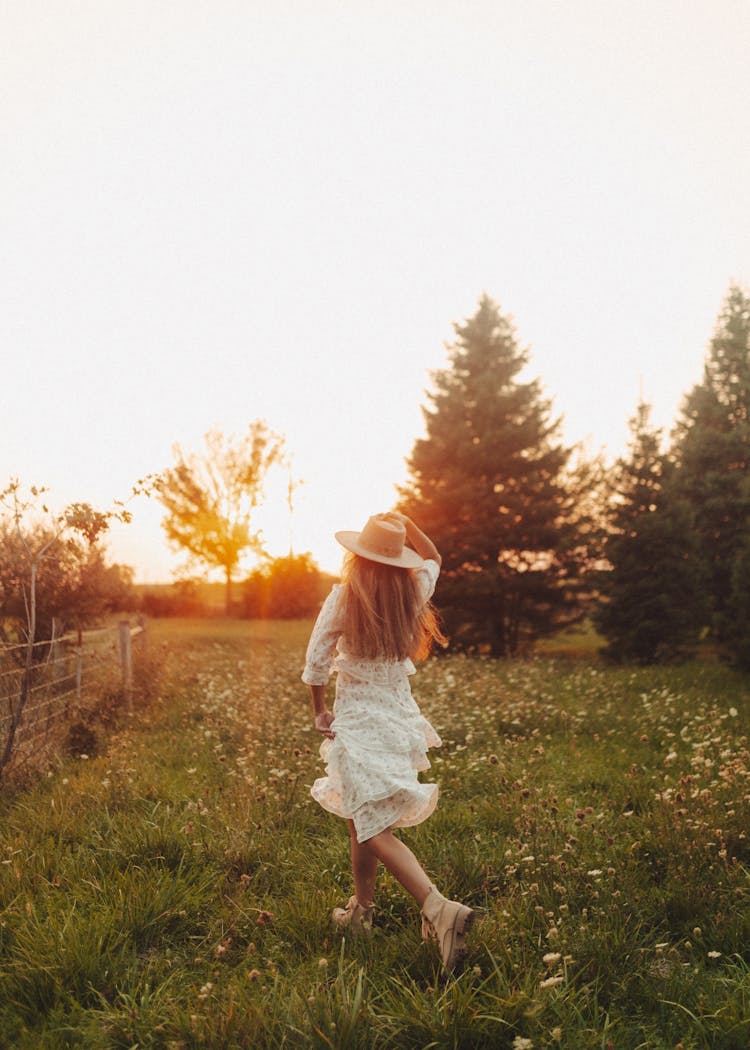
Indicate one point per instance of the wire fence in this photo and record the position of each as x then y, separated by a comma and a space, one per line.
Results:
48, 687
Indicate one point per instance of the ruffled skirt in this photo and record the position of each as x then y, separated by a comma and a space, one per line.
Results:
380, 744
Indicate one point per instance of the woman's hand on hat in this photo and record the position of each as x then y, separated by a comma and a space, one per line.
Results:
419, 540
323, 721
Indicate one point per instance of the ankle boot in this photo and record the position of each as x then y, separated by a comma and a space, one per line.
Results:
447, 922
354, 916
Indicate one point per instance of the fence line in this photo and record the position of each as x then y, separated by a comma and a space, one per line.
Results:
79, 670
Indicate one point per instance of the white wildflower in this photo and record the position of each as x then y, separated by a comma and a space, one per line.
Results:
551, 982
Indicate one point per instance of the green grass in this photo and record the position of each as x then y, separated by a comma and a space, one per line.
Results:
175, 891
582, 639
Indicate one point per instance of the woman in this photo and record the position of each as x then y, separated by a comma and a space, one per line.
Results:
369, 630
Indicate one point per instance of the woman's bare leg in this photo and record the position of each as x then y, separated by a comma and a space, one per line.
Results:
396, 856
364, 869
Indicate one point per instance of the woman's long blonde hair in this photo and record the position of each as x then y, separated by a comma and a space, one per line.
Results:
384, 615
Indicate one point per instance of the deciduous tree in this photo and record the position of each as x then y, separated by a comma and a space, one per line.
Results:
210, 499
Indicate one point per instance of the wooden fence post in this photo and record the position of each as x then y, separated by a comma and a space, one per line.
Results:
143, 636
126, 662
79, 665
56, 651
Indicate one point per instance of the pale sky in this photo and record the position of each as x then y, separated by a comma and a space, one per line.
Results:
212, 212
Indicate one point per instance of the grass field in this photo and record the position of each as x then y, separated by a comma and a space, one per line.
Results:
174, 890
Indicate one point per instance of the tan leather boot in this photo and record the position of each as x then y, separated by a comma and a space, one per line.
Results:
447, 922
354, 917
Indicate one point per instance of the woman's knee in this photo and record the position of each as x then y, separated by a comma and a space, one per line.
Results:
380, 840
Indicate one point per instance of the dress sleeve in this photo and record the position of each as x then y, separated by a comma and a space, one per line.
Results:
322, 644
427, 576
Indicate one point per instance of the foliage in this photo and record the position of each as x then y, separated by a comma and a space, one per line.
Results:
286, 588
493, 486
182, 597
61, 550
738, 631
176, 890
652, 594
75, 585
210, 499
712, 452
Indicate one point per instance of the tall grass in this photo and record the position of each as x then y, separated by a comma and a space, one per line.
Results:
175, 891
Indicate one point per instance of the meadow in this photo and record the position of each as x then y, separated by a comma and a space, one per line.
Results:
173, 887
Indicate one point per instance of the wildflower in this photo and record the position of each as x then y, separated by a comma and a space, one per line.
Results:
551, 982
556, 1034
323, 964
253, 975
733, 712
553, 933
551, 958
714, 955
521, 1043
594, 872
265, 918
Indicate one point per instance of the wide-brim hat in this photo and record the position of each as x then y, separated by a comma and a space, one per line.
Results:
382, 540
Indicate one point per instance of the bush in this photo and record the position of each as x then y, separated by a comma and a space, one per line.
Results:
74, 585
287, 588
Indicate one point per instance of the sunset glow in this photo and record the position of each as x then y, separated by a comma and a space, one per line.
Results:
213, 214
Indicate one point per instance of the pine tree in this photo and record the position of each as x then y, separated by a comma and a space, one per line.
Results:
651, 605
488, 483
712, 452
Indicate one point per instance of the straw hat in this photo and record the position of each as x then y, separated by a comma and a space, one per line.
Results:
382, 539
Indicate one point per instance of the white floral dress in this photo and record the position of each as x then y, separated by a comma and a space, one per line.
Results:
380, 736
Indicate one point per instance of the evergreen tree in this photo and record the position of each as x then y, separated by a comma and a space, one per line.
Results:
489, 484
738, 632
651, 596
712, 452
